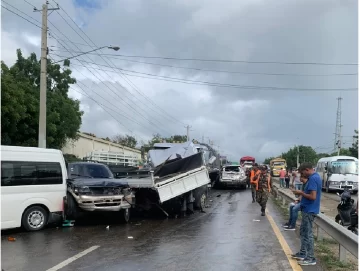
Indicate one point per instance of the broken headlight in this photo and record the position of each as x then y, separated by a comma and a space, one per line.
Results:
83, 190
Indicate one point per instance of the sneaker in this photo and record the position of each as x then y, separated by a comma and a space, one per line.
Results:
263, 213
286, 225
307, 262
298, 256
289, 228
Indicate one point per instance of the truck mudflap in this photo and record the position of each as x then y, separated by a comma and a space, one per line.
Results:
182, 183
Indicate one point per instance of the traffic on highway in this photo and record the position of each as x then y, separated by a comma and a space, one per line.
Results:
175, 205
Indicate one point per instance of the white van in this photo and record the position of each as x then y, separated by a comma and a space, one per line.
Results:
33, 187
338, 173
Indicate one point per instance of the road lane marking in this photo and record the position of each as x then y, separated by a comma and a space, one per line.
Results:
70, 260
294, 265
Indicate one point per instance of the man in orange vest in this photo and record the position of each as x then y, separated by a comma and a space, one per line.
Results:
255, 170
262, 182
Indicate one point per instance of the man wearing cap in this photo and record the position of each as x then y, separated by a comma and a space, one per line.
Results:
262, 183
255, 170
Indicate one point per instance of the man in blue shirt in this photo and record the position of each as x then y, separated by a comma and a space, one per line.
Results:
310, 207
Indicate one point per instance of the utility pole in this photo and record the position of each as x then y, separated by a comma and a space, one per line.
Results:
297, 157
188, 132
43, 64
337, 141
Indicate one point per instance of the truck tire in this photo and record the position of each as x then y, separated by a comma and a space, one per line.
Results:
125, 215
34, 218
200, 198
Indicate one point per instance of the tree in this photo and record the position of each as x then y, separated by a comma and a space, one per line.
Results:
306, 154
125, 140
345, 152
267, 160
354, 150
20, 94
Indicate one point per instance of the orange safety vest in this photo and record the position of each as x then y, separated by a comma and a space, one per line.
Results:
256, 182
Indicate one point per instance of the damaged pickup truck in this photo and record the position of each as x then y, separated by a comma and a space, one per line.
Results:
91, 187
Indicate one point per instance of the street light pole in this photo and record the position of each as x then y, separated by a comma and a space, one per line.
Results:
115, 48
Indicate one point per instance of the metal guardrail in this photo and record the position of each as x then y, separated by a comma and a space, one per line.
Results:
347, 240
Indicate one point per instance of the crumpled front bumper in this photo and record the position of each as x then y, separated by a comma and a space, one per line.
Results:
110, 203
233, 182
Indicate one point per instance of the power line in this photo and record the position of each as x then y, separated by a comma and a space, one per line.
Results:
116, 94
215, 84
126, 79
121, 98
233, 61
22, 12
231, 72
95, 64
83, 92
20, 16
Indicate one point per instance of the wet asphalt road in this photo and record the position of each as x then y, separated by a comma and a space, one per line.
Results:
226, 237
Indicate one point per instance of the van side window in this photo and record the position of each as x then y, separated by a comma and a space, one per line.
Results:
30, 173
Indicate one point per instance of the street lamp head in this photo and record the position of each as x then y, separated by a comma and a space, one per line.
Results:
115, 48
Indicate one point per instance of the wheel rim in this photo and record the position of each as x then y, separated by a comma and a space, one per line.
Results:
36, 219
202, 201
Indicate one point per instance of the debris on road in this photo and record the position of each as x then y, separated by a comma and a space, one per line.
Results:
130, 237
108, 227
256, 220
68, 223
11, 239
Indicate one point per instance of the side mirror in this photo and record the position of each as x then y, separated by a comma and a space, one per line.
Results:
212, 159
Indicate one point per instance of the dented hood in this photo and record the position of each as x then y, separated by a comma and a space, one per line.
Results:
92, 182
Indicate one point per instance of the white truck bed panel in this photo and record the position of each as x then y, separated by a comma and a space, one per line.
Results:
182, 183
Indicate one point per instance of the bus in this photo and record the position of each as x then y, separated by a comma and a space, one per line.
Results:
276, 165
33, 187
338, 173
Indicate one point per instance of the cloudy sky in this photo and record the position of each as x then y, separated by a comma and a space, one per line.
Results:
259, 109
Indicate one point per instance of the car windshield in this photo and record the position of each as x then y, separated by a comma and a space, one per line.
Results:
344, 167
234, 169
90, 171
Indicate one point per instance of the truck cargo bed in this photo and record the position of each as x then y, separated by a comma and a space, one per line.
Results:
173, 185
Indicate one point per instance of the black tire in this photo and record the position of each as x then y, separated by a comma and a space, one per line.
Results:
355, 192
72, 210
200, 195
34, 218
125, 215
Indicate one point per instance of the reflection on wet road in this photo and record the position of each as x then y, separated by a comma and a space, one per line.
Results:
229, 236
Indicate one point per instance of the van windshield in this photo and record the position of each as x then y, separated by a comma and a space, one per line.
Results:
344, 167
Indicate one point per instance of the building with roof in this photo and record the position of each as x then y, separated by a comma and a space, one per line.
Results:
90, 147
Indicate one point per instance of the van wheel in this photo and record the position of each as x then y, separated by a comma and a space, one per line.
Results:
34, 218
125, 215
